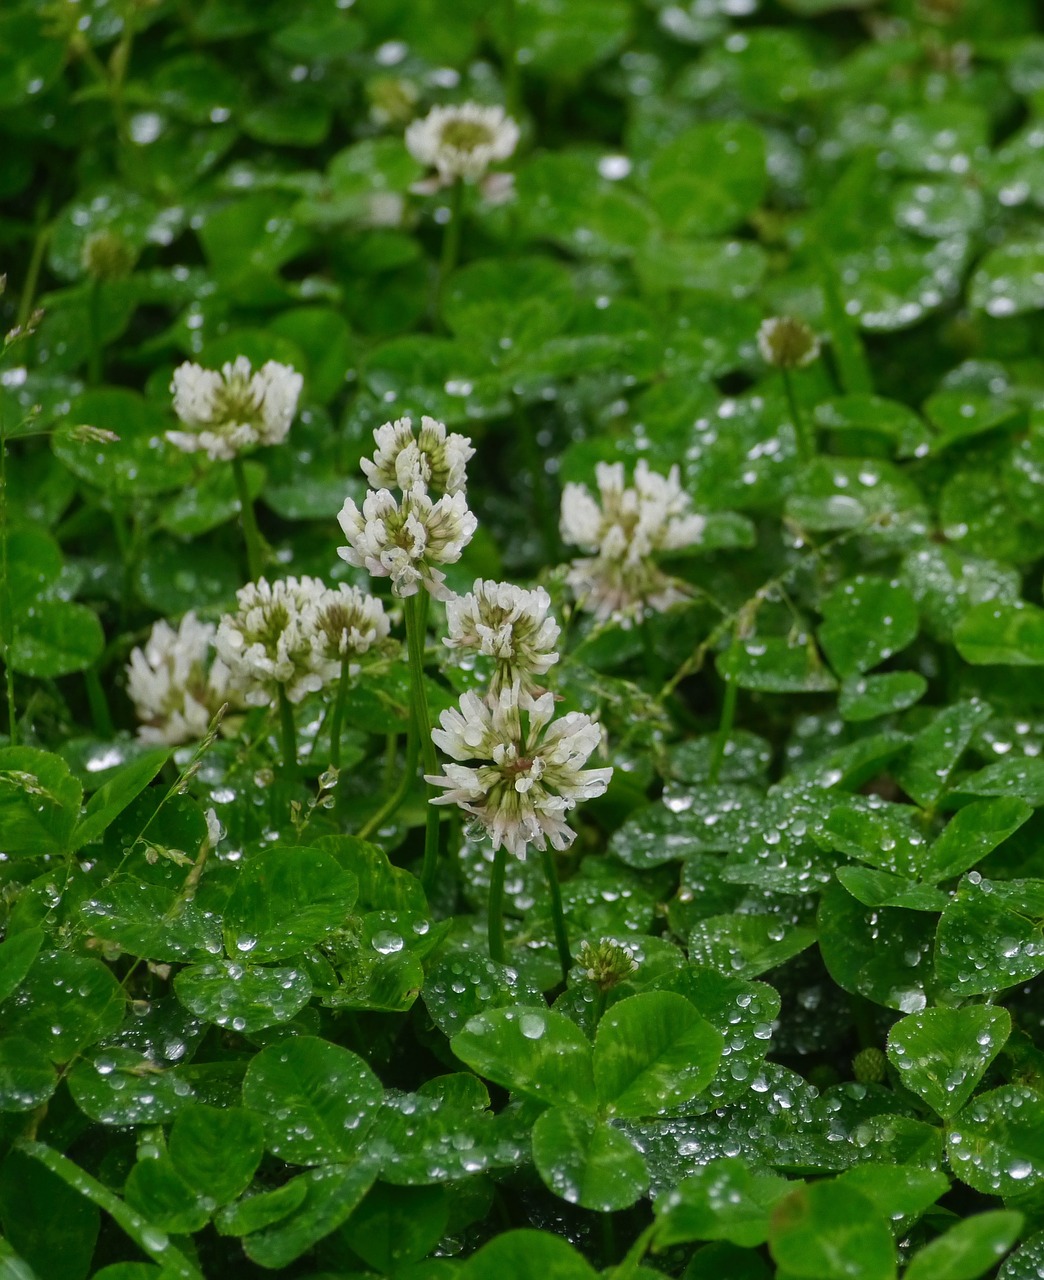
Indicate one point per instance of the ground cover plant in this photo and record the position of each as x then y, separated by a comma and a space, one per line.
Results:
520, 588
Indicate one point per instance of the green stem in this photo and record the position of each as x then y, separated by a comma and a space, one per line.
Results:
725, 723
288, 734
6, 605
416, 608
544, 501
95, 364
338, 715
805, 439
393, 802
99, 704
853, 368
450, 241
512, 76
251, 533
547, 857
496, 906
32, 276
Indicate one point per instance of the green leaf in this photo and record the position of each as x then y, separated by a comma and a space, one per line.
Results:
942, 1054
989, 936
461, 984
537, 1052
742, 946
527, 1255
155, 1189
56, 638
396, 1226
255, 1212
66, 1002
123, 1087
141, 461
39, 801
721, 1201
152, 922
114, 795
1025, 1263
17, 953
1008, 281
857, 415
881, 953
53, 1228
585, 1161
216, 1149
996, 1144
709, 178
901, 1192
828, 1232
240, 997
865, 621
882, 889
867, 697
935, 752
564, 41
774, 664
285, 900
331, 1195
316, 1100
968, 1250
653, 1052
1010, 634
971, 834
34, 564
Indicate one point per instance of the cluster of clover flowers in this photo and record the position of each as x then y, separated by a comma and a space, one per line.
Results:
512, 766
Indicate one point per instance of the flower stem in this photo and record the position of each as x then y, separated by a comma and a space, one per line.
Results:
391, 805
415, 609
496, 906
6, 605
805, 439
725, 722
251, 533
557, 913
99, 704
288, 734
450, 241
338, 715
95, 366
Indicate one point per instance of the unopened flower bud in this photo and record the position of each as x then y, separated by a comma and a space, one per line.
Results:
107, 256
869, 1066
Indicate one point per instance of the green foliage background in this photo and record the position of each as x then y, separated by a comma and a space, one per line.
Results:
828, 1063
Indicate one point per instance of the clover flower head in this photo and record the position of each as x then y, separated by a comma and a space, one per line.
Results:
529, 769
268, 642
510, 625
175, 683
228, 411
787, 343
433, 458
462, 141
345, 622
405, 540
624, 528
606, 963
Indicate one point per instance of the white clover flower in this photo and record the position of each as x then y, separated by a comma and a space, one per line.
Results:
268, 642
624, 529
345, 621
175, 686
404, 541
531, 772
235, 409
504, 622
787, 343
461, 142
432, 459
